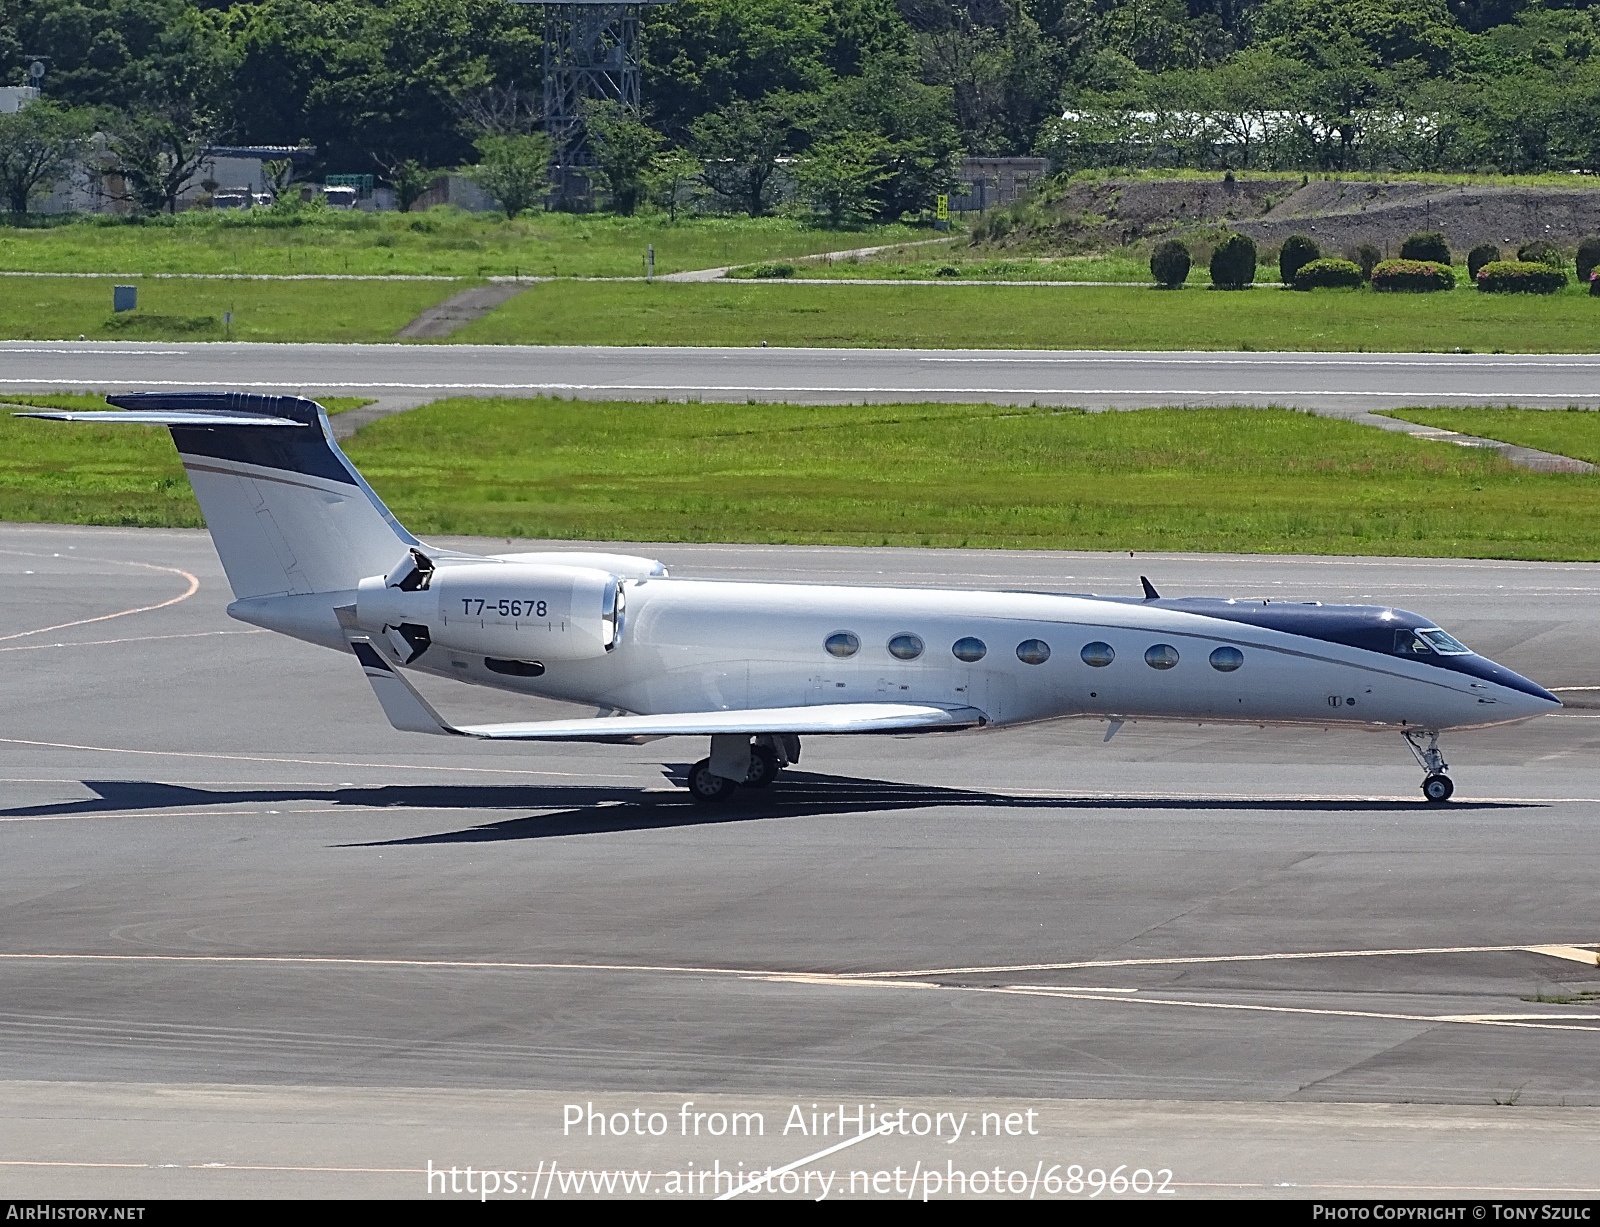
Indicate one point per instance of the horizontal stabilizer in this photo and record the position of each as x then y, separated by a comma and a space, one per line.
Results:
407, 710
410, 712
158, 417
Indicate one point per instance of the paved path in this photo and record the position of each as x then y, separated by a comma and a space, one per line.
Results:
713, 274
1348, 384
459, 310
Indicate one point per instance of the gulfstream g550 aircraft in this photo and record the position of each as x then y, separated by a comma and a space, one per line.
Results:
310, 551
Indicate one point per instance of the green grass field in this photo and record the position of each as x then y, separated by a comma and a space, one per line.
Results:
1246, 480
59, 473
1257, 481
934, 261
64, 308
1110, 317
1569, 432
439, 242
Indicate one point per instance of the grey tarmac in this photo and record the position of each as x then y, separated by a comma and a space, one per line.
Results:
1346, 384
256, 941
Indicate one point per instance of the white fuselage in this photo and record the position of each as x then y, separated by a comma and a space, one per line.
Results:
694, 645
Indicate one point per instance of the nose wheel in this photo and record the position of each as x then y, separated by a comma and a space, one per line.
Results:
1436, 785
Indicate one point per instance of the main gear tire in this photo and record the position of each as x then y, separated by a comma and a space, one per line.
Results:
708, 788
764, 767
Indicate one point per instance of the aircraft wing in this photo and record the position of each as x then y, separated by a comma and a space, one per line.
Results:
409, 711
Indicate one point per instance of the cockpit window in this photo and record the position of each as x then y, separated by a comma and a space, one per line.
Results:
1406, 643
1444, 644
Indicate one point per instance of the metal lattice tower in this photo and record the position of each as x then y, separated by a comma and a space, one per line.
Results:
591, 53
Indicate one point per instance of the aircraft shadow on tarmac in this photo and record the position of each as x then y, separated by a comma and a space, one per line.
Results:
589, 810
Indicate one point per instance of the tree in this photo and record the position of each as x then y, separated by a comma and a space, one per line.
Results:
393, 78
909, 128
623, 146
515, 170
158, 151
672, 176
840, 179
702, 56
501, 110
410, 179
38, 144
739, 147
278, 174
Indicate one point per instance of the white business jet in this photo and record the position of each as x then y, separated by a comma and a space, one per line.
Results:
310, 551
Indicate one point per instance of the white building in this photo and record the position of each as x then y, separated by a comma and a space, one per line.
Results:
14, 97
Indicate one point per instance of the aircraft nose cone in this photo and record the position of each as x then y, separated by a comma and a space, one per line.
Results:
1527, 696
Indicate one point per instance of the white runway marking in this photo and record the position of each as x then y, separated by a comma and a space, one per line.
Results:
1455, 363
1182, 960
303, 762
95, 643
194, 587
1588, 1023
742, 389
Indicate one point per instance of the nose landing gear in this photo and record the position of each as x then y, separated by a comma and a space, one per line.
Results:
1436, 785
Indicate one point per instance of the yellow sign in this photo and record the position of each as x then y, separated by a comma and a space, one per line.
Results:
941, 208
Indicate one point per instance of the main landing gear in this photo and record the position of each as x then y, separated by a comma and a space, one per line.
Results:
1436, 785
737, 762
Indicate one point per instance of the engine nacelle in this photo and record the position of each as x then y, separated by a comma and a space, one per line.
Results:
508, 611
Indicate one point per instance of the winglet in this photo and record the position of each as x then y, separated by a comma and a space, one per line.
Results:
1150, 593
407, 710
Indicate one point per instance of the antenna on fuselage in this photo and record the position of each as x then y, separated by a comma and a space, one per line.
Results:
1150, 593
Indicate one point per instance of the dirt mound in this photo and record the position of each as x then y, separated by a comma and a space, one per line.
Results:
1338, 213
1383, 214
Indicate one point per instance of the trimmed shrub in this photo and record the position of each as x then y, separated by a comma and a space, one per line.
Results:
1540, 251
1233, 263
1169, 264
1594, 285
772, 270
1297, 252
1483, 253
1368, 257
1328, 274
1429, 246
1588, 257
1520, 277
1413, 276
947, 270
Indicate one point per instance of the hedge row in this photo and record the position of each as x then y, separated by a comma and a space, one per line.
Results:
1520, 277
1328, 274
1413, 276
1424, 266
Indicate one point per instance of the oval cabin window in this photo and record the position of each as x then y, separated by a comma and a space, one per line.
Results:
905, 647
1226, 660
842, 644
1033, 651
1161, 656
1097, 655
969, 649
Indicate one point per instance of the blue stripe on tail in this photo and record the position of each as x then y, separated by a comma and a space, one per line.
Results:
311, 452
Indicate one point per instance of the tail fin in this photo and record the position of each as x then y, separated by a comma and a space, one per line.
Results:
287, 511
